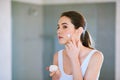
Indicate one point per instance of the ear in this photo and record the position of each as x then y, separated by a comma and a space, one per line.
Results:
79, 30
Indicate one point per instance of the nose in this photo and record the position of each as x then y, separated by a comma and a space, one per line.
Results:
58, 31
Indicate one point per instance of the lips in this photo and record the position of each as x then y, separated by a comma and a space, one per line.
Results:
60, 37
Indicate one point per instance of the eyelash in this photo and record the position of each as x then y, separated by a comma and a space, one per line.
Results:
64, 27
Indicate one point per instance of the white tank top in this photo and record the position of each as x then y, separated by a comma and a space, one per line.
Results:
83, 68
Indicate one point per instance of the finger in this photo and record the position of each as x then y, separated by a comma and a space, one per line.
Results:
47, 68
78, 43
73, 41
70, 44
52, 73
67, 46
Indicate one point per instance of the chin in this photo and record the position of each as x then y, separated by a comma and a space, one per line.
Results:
61, 42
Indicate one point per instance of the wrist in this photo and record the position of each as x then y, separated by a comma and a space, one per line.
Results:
75, 61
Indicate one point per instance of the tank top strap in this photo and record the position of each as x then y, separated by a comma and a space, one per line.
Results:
86, 62
64, 76
60, 60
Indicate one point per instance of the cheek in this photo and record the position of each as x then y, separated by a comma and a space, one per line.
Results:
67, 35
68, 32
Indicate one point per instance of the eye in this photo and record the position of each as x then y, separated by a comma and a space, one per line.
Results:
64, 27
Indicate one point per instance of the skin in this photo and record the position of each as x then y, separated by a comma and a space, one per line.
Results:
75, 53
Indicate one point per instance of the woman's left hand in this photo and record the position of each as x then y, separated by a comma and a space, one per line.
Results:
73, 48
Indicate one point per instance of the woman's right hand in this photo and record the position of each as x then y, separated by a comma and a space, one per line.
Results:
55, 74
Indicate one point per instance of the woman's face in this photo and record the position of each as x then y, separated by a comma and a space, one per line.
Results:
65, 28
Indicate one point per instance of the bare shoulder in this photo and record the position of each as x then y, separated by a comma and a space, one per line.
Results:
55, 58
56, 55
94, 66
96, 62
98, 55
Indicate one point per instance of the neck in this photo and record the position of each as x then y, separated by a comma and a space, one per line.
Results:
84, 50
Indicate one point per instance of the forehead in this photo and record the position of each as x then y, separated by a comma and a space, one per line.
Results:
64, 19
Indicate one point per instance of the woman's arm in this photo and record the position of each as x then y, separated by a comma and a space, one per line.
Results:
55, 75
94, 67
77, 75
72, 51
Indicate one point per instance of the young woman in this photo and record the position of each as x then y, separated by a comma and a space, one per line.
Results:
78, 60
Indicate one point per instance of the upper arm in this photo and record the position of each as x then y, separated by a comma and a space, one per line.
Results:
94, 66
55, 59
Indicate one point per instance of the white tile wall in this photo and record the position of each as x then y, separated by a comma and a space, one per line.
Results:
118, 40
5, 40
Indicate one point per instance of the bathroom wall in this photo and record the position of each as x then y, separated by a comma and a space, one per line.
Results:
27, 43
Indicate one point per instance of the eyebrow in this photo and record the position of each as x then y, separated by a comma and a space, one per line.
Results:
63, 24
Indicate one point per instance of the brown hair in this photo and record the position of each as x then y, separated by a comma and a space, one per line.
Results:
79, 21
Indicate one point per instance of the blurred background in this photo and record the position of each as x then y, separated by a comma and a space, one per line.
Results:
28, 38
